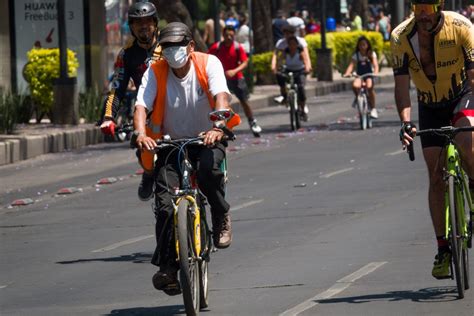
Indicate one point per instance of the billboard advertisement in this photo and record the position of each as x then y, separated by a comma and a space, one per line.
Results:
36, 25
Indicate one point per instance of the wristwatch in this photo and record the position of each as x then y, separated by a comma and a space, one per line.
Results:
219, 125
137, 133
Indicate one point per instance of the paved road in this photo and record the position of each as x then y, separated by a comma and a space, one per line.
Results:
328, 221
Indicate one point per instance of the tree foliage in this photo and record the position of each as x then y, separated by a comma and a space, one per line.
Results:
176, 11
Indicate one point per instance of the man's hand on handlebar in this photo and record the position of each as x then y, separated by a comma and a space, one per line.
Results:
407, 132
212, 136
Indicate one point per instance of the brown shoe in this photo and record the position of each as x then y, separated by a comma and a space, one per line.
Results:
222, 232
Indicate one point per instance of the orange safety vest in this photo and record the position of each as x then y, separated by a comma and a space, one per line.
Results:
154, 127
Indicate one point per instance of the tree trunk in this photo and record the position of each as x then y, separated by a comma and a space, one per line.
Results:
362, 9
176, 11
262, 25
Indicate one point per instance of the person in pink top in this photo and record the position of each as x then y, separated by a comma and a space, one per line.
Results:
234, 60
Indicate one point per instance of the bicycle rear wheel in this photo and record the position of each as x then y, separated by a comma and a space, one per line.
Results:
204, 264
189, 266
203, 284
455, 240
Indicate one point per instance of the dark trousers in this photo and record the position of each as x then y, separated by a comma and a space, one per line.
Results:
300, 81
211, 182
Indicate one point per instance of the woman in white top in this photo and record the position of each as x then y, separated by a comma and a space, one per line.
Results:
296, 63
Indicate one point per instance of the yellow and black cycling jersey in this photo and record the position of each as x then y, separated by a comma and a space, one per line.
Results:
131, 62
453, 54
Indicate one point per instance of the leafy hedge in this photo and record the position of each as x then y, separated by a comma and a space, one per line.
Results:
90, 104
40, 71
342, 45
387, 52
14, 109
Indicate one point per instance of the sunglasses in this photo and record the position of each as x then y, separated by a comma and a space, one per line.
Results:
426, 8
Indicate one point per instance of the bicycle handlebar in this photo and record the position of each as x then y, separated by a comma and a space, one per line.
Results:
446, 131
354, 75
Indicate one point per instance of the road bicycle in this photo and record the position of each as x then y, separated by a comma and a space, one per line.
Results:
193, 237
292, 98
458, 205
361, 103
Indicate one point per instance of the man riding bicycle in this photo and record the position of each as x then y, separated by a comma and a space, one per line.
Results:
132, 61
436, 49
179, 92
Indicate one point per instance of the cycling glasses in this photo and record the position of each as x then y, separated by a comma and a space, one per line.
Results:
427, 8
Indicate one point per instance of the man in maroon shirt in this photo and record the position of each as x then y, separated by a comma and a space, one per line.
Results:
234, 60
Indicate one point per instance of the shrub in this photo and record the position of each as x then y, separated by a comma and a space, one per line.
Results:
12, 111
387, 52
262, 67
90, 104
40, 71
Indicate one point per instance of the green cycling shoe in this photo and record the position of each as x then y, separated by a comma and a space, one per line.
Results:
441, 266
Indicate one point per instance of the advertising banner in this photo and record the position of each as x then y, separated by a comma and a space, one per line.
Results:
36, 25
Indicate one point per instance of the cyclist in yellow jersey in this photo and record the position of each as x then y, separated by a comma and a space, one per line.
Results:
436, 49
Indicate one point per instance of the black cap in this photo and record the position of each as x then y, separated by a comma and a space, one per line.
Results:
175, 32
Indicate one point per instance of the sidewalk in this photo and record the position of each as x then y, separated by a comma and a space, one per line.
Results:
33, 140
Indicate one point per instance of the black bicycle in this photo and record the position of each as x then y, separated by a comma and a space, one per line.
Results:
292, 98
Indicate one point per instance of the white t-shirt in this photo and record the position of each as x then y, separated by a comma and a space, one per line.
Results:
243, 37
187, 106
282, 43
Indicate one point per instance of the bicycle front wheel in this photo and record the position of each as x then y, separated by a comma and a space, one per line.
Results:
291, 103
456, 240
189, 266
361, 107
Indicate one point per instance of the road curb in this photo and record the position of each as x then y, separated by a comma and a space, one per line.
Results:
14, 148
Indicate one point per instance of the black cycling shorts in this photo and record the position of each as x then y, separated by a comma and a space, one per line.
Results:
239, 88
446, 116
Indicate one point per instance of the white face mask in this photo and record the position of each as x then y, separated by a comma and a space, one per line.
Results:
176, 56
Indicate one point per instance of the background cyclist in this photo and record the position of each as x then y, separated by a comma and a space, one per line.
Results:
436, 49
364, 61
132, 61
295, 62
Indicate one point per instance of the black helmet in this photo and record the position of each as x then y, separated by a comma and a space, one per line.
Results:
142, 10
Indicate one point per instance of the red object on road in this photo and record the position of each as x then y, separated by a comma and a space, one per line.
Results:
70, 190
22, 202
109, 180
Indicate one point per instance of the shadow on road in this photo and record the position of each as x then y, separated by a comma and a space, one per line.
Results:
148, 311
138, 257
427, 295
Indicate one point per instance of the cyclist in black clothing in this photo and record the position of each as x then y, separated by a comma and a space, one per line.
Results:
131, 62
